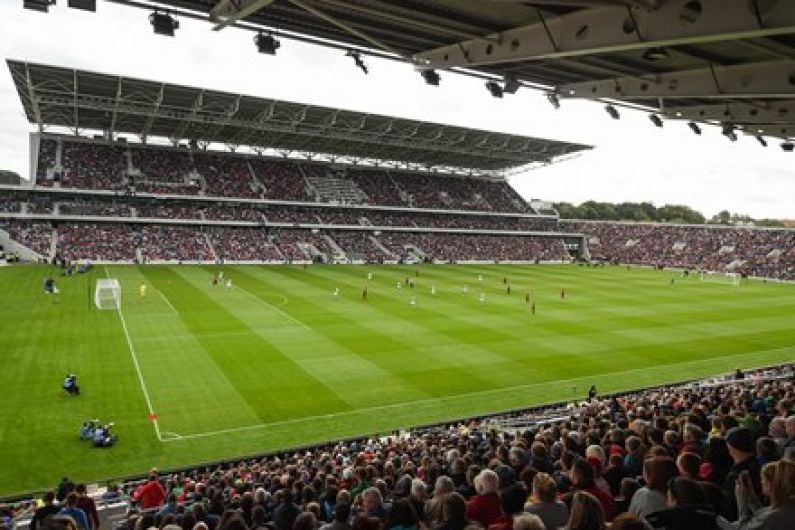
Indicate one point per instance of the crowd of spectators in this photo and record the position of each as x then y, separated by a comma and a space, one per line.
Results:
172, 243
46, 161
281, 180
714, 454
464, 247
243, 244
225, 176
359, 246
757, 252
35, 235
380, 189
96, 242
165, 170
233, 212
92, 166
171, 209
89, 206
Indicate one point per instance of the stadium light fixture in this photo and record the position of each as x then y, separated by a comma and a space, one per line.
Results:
611, 110
163, 23
85, 5
727, 130
494, 89
787, 146
430, 76
656, 120
357, 58
38, 5
656, 54
267, 43
553, 99
694, 127
761, 140
511, 84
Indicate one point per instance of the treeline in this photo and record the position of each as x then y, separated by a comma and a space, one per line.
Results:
647, 212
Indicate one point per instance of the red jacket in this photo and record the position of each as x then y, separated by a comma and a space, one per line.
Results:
485, 509
604, 499
150, 494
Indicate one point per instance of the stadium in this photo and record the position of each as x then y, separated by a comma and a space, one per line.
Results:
230, 310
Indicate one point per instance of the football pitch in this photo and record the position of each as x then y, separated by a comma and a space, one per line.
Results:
193, 372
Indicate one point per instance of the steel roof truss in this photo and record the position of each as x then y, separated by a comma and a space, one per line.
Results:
774, 79
737, 112
599, 31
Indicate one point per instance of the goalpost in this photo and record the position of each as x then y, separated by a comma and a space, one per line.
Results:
107, 294
731, 278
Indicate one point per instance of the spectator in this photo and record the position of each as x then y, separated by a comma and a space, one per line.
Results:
586, 513
89, 507
544, 503
780, 515
71, 510
652, 497
150, 494
49, 508
582, 479
485, 507
742, 451
454, 516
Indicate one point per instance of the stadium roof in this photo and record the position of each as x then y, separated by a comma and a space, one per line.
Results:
705, 60
85, 100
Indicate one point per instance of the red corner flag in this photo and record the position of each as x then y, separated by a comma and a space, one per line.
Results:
152, 416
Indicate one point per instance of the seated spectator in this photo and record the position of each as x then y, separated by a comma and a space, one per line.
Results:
780, 515
485, 506
688, 509
586, 513
453, 513
544, 503
657, 472
582, 480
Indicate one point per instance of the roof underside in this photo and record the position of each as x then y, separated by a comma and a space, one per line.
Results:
55, 96
703, 60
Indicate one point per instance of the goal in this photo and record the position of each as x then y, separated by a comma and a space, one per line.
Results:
107, 294
731, 278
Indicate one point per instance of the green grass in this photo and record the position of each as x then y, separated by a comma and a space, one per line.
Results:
277, 361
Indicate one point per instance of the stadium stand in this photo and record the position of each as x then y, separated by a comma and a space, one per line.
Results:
756, 252
545, 458
172, 243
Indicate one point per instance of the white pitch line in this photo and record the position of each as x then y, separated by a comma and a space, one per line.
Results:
173, 309
274, 308
137, 366
441, 399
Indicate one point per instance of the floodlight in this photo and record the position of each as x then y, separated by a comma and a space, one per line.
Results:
655, 54
86, 5
357, 58
656, 120
266, 43
553, 99
727, 130
694, 127
761, 140
787, 146
430, 76
611, 110
511, 84
163, 23
38, 5
494, 89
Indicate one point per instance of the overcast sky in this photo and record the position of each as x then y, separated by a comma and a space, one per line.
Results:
632, 160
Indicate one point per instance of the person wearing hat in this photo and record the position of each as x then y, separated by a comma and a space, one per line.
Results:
742, 450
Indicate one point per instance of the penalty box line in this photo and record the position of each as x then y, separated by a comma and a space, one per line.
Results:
175, 437
141, 381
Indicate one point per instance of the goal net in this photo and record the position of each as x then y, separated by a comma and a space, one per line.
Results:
107, 294
731, 278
